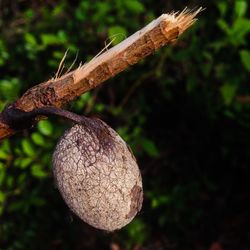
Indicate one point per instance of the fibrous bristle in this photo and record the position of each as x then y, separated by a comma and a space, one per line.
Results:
187, 17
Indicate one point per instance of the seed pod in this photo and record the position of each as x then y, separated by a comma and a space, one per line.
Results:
97, 175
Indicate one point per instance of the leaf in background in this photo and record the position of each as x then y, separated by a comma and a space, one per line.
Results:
245, 59
9, 181
2, 172
191, 83
84, 100
117, 34
49, 39
31, 46
53, 39
101, 12
16, 206
29, 14
223, 26
5, 146
99, 107
123, 132
228, 92
240, 8
149, 147
9, 89
30, 39
137, 231
25, 162
2, 197
222, 6
21, 180
28, 147
37, 201
45, 127
58, 8
4, 55
82, 10
38, 139
159, 200
38, 171
3, 155
240, 28
134, 6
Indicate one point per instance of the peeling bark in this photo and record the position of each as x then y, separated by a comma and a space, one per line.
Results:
56, 92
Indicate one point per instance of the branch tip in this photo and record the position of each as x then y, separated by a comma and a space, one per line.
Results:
62, 89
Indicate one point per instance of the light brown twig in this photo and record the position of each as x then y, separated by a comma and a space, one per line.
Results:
56, 92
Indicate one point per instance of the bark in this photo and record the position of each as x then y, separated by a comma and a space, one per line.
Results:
55, 92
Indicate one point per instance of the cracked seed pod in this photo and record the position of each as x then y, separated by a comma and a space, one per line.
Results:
97, 175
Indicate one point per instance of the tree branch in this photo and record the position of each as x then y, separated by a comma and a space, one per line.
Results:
56, 92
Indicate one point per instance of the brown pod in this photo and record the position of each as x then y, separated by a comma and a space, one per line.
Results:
97, 175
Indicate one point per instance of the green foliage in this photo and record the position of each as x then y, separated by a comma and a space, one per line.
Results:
117, 34
9, 90
245, 59
137, 232
149, 147
45, 127
179, 111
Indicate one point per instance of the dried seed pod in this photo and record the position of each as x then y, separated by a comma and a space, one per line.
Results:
97, 175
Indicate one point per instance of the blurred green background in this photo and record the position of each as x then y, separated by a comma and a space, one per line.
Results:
185, 111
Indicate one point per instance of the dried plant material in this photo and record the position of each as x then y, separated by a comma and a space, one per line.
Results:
61, 65
56, 92
97, 175
163, 30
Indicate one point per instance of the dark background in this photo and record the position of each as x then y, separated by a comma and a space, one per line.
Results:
184, 111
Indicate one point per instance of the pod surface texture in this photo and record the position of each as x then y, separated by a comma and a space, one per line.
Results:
97, 175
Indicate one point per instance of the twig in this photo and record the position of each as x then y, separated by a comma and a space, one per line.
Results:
56, 92
243, 99
61, 66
